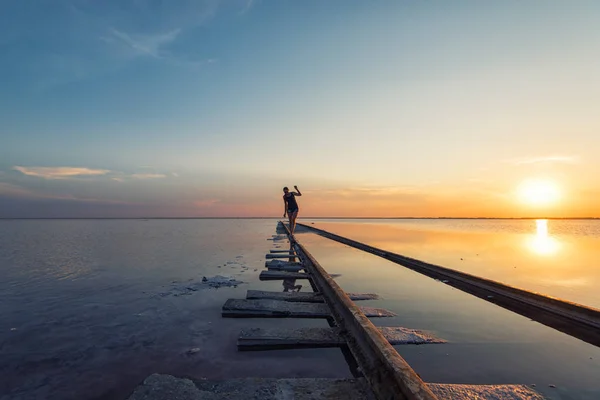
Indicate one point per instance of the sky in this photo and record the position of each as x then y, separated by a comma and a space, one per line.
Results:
192, 108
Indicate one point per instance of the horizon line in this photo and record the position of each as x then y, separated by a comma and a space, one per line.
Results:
279, 218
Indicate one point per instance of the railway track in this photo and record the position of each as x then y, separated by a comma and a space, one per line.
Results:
380, 372
573, 319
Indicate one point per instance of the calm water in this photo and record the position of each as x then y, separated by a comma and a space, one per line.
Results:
560, 258
91, 307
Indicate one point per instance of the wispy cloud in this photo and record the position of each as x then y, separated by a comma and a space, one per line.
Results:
248, 6
15, 191
206, 203
60, 172
545, 159
143, 45
154, 46
148, 176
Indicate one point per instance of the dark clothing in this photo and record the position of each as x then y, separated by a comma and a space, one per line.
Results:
292, 205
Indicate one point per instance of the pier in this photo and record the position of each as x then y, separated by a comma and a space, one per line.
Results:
378, 369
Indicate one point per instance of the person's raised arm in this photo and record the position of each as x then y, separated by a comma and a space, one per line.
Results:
284, 207
298, 191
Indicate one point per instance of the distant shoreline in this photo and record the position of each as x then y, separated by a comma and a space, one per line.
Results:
278, 218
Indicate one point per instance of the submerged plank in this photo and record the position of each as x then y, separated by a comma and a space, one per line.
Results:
279, 275
275, 263
295, 267
307, 297
282, 338
484, 392
158, 387
271, 256
266, 308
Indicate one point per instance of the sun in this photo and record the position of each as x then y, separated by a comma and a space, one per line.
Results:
539, 192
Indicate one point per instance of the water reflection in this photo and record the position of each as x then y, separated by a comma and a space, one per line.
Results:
552, 257
542, 243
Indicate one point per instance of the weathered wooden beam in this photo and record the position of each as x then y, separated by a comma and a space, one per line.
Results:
279, 275
289, 338
278, 265
306, 297
272, 256
159, 387
266, 308
487, 392
287, 268
275, 263
281, 251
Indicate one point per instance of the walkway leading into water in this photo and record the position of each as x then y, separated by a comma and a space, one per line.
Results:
380, 372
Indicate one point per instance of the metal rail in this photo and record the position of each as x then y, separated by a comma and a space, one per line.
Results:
388, 374
573, 319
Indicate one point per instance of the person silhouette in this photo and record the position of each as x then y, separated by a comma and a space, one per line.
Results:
291, 206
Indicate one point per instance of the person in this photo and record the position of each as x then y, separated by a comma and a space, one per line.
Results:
291, 206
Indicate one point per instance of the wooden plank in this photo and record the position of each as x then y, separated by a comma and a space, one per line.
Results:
266, 308
281, 251
272, 256
484, 392
274, 263
288, 268
279, 275
267, 389
286, 338
158, 386
306, 297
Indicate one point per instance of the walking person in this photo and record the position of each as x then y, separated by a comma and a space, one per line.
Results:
291, 206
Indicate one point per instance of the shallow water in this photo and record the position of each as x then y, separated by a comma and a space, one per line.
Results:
487, 344
91, 307
560, 258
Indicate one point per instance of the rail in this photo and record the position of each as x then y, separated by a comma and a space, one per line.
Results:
571, 318
388, 374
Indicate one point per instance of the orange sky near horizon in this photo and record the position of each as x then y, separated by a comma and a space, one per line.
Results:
430, 109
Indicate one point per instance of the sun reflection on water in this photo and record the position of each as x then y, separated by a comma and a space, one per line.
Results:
542, 243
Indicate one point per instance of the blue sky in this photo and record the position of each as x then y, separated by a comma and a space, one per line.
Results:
202, 108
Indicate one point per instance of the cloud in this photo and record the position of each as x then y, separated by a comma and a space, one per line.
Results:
8, 189
60, 172
92, 39
545, 159
140, 45
248, 5
148, 176
175, 174
78, 172
206, 203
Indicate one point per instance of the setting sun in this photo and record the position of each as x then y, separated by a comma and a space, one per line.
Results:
539, 192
